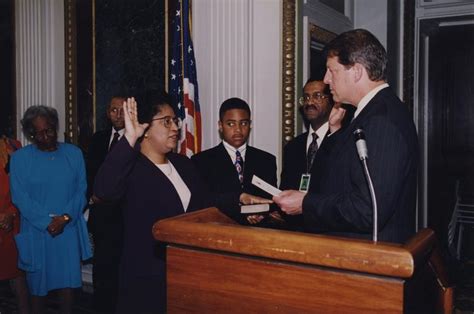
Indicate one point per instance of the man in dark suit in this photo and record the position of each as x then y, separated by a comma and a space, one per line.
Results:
300, 154
105, 219
341, 204
228, 168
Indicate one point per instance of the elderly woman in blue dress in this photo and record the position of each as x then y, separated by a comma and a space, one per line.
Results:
48, 185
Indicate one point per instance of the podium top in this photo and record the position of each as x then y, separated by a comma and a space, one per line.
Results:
211, 229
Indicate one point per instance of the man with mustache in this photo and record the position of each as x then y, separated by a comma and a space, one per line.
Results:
298, 159
301, 155
228, 168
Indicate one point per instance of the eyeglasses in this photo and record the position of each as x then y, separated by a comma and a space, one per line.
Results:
49, 132
168, 120
317, 96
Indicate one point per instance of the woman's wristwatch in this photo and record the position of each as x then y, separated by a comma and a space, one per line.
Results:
66, 218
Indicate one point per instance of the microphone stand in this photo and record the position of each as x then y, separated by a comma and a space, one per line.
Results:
363, 156
372, 196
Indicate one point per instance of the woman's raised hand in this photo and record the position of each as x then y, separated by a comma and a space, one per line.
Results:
335, 117
133, 129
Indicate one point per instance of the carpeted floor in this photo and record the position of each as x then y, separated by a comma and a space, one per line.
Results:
82, 304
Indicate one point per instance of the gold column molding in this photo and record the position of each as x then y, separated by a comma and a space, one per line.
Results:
288, 70
71, 131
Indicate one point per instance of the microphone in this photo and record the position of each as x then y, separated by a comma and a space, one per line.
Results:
361, 145
363, 152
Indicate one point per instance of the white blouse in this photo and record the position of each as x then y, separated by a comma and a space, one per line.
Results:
172, 174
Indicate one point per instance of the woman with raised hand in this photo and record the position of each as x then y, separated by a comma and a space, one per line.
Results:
152, 183
48, 186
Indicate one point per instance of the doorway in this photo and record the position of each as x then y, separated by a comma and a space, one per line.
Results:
446, 116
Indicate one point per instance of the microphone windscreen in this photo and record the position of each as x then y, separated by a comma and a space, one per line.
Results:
359, 134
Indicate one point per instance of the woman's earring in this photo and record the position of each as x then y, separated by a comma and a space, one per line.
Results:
146, 135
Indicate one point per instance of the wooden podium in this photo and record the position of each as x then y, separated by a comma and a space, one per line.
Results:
217, 266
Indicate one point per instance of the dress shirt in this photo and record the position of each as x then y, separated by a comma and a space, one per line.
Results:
120, 132
231, 151
365, 100
321, 133
172, 174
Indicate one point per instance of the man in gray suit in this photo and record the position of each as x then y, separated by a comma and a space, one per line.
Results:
340, 203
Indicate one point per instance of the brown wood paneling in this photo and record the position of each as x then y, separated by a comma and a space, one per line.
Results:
207, 282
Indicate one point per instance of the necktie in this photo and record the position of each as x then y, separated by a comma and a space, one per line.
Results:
312, 149
114, 140
239, 166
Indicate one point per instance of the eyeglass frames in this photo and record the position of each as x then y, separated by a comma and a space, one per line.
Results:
168, 120
317, 96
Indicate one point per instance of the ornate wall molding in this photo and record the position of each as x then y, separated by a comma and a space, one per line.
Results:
288, 71
71, 133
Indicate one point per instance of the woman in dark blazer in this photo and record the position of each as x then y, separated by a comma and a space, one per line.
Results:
152, 183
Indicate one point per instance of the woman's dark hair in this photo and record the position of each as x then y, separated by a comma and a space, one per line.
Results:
153, 103
33, 112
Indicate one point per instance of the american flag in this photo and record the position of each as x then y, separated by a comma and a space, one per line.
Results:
183, 85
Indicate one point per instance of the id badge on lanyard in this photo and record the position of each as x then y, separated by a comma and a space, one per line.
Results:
304, 182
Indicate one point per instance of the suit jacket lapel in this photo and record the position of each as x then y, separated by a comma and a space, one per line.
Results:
249, 165
227, 166
105, 142
358, 121
303, 152
164, 182
186, 175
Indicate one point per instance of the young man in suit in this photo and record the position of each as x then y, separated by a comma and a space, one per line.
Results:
105, 219
228, 168
341, 205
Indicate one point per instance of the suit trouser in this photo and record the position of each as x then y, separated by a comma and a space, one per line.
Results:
106, 228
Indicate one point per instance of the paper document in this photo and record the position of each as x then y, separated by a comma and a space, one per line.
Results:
270, 189
257, 208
